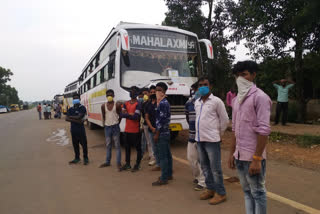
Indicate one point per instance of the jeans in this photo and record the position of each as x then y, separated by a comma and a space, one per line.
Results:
133, 139
282, 107
253, 187
193, 158
165, 157
40, 115
154, 148
79, 137
113, 133
210, 160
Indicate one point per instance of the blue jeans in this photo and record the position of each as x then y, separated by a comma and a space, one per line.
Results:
165, 157
113, 133
39, 115
253, 187
210, 160
154, 148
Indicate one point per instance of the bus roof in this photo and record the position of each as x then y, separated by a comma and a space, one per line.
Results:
129, 25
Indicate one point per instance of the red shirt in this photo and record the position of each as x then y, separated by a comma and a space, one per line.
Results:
132, 126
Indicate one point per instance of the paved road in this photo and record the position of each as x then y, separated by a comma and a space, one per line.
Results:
35, 178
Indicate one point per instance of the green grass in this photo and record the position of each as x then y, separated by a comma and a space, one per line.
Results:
308, 140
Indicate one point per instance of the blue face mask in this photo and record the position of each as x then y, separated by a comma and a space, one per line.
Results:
76, 101
197, 95
204, 90
140, 99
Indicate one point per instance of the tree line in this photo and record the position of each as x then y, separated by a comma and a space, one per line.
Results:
8, 94
283, 37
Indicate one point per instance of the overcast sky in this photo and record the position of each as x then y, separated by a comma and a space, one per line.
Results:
47, 43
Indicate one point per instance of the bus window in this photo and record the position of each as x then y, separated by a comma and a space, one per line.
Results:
98, 78
102, 75
105, 71
94, 78
111, 66
91, 82
88, 85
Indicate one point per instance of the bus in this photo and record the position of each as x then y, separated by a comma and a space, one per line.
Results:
142, 55
69, 91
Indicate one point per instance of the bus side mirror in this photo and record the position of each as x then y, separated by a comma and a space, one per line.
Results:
123, 40
208, 47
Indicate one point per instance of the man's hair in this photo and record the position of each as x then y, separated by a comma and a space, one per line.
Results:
76, 95
145, 89
109, 91
39, 103
152, 87
249, 65
162, 85
203, 78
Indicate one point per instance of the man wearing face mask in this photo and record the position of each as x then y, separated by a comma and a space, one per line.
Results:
110, 119
76, 115
251, 127
192, 152
132, 112
211, 122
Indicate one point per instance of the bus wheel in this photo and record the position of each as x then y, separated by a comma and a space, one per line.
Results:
173, 135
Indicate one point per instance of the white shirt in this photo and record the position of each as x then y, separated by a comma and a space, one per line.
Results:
211, 119
112, 117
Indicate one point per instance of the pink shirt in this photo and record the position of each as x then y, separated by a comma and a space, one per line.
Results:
230, 97
250, 119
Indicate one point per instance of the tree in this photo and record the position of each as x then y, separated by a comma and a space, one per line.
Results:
8, 94
277, 28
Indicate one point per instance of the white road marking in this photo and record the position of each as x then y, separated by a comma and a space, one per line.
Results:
271, 195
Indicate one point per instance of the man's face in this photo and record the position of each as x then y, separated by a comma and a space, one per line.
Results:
204, 83
247, 75
110, 94
152, 91
160, 89
145, 93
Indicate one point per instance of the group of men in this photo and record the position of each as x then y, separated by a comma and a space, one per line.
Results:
47, 111
147, 118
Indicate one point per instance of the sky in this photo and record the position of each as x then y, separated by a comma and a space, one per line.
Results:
46, 43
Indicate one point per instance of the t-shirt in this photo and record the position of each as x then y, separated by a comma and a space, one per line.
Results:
76, 111
190, 111
283, 92
132, 121
151, 110
163, 117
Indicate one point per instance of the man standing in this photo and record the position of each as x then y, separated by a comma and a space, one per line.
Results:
162, 135
132, 112
192, 152
39, 110
282, 100
251, 127
150, 115
230, 95
211, 121
110, 119
76, 115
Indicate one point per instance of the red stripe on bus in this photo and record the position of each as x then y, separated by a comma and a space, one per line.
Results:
95, 116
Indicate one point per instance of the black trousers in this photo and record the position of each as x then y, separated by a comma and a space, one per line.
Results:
133, 139
79, 137
282, 107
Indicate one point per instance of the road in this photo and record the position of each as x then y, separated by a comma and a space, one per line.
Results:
35, 177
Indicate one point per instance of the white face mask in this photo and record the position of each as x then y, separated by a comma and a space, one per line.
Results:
243, 88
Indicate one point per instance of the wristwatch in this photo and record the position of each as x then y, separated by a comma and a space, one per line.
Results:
258, 158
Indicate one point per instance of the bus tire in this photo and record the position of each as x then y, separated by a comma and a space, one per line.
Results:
173, 135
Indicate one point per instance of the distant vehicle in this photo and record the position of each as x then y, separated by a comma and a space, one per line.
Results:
25, 106
142, 55
69, 91
4, 109
14, 107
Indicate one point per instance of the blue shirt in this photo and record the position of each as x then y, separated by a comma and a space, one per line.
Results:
76, 111
191, 113
283, 92
163, 117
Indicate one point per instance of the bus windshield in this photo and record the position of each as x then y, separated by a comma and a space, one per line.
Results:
158, 55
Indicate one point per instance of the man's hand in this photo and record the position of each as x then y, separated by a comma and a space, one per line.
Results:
255, 167
153, 130
156, 138
231, 162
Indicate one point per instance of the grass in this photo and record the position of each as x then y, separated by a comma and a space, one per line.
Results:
308, 140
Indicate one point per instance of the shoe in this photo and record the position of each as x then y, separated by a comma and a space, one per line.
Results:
198, 188
157, 168
86, 161
195, 181
217, 199
75, 161
159, 183
126, 167
152, 163
207, 194
135, 168
104, 165
119, 167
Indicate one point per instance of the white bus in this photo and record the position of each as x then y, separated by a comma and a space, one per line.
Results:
69, 91
142, 55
